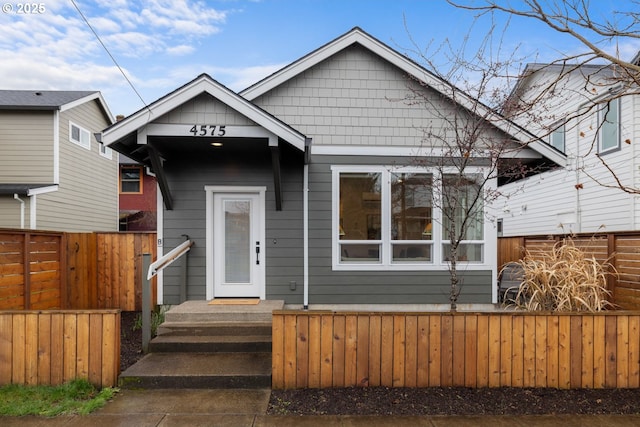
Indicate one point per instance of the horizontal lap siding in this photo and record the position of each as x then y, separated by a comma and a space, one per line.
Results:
372, 287
26, 147
88, 181
284, 243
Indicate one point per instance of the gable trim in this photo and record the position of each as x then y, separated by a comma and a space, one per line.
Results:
358, 36
97, 96
203, 84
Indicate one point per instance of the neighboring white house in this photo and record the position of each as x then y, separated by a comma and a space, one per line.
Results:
54, 173
597, 130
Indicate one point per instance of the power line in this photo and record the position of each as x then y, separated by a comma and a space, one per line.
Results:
109, 53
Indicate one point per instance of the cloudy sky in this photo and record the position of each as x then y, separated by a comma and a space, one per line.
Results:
162, 44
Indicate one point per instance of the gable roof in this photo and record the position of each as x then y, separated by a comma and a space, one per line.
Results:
50, 100
357, 35
202, 84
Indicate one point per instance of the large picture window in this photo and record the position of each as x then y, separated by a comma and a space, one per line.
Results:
386, 218
463, 216
360, 215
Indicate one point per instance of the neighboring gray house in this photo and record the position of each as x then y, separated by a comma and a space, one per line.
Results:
54, 174
286, 187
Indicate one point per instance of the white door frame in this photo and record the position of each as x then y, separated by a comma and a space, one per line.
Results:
210, 267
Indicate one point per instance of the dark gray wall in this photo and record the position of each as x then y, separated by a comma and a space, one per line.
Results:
284, 235
375, 287
188, 175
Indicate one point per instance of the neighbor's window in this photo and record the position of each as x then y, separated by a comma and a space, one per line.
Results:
609, 127
556, 139
387, 218
463, 216
131, 179
79, 136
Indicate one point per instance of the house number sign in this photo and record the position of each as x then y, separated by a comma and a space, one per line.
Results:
208, 130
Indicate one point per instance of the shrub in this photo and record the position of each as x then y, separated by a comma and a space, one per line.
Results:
563, 279
157, 318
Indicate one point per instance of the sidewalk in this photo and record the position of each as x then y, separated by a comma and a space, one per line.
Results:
247, 408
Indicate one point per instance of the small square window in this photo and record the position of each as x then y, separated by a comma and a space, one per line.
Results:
106, 151
79, 136
131, 179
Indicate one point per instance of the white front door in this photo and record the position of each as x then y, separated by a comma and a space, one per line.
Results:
238, 246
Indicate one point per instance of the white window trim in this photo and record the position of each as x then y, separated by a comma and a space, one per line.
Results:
437, 263
601, 115
79, 142
559, 128
105, 151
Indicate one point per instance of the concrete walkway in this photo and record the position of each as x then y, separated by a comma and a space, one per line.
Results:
247, 408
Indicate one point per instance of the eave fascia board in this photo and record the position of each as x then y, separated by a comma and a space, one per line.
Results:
42, 190
201, 85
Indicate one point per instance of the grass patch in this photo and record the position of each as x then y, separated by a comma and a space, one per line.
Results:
75, 397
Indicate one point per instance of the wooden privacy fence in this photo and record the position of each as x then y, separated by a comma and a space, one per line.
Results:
105, 269
32, 269
53, 347
49, 270
506, 349
621, 250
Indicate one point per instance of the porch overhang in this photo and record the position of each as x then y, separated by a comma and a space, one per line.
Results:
135, 135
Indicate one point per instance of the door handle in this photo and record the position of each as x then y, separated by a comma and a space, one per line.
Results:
257, 253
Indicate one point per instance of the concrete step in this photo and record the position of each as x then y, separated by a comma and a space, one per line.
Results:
198, 371
203, 312
168, 343
215, 328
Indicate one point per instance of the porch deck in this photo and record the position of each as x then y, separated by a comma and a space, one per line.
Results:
204, 312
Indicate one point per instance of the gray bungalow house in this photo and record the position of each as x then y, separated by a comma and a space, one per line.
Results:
290, 189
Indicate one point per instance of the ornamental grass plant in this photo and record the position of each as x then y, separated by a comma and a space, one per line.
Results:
563, 279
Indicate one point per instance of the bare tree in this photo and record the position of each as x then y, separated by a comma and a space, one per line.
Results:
469, 146
606, 75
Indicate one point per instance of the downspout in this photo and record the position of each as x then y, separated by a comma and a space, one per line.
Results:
305, 226
32, 212
634, 174
305, 223
56, 147
579, 163
15, 196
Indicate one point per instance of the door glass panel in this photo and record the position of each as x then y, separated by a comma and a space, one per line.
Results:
237, 227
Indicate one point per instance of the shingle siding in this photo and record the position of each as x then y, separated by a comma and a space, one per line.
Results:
353, 98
